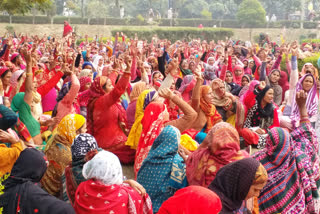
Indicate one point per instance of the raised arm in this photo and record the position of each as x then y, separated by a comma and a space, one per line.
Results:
195, 99
294, 76
29, 77
189, 116
114, 96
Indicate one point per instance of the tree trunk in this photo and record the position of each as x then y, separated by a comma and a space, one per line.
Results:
33, 19
82, 9
51, 20
10, 19
88, 21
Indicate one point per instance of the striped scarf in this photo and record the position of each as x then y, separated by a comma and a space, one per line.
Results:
291, 178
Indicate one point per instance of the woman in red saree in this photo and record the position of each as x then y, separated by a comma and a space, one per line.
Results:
105, 192
155, 118
106, 117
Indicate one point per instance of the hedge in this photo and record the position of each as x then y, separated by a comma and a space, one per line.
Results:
162, 22
313, 59
317, 41
104, 39
177, 33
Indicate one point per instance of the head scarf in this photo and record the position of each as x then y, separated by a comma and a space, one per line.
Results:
69, 125
82, 144
315, 74
9, 120
83, 81
237, 79
224, 148
151, 96
136, 129
209, 109
190, 200
152, 75
14, 78
267, 111
271, 72
311, 104
137, 89
87, 63
13, 56
96, 62
291, 181
95, 92
21, 191
85, 73
2, 70
162, 172
221, 97
105, 191
19, 105
186, 87
105, 167
152, 124
230, 185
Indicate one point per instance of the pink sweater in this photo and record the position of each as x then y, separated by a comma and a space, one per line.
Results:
65, 106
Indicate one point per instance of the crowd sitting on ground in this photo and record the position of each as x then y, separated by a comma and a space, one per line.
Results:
208, 126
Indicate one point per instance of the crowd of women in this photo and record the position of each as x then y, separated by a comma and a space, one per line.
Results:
209, 127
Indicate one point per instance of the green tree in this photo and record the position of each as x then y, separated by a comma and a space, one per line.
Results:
206, 14
96, 9
282, 8
251, 13
193, 8
23, 6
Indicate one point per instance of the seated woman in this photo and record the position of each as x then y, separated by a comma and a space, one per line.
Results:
22, 103
186, 87
202, 103
233, 190
10, 146
273, 81
220, 147
66, 99
137, 89
104, 105
83, 147
261, 115
22, 194
163, 172
136, 129
104, 190
223, 101
192, 199
155, 118
308, 84
58, 151
293, 168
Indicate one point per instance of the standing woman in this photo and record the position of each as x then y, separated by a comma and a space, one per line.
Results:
107, 120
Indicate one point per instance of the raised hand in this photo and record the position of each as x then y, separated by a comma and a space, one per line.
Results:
166, 93
262, 85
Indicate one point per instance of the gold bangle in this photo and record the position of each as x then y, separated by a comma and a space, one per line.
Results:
29, 74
